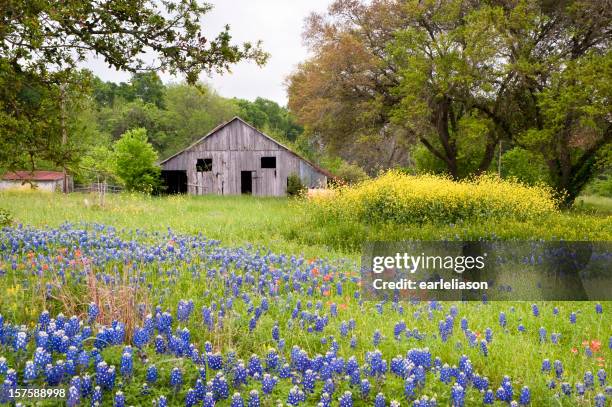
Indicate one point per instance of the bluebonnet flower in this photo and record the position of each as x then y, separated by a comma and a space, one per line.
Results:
525, 397
253, 400
325, 400
535, 310
542, 333
600, 400
365, 388
502, 319
601, 376
190, 398
96, 396
500, 394
554, 337
572, 318
209, 400
488, 397
92, 312
329, 386
240, 375
237, 400
580, 389
74, 397
21, 341
220, 387
507, 385
215, 360
127, 364
409, 386
293, 398
489, 335
255, 367
160, 344
176, 378
285, 371
589, 380
152, 374
445, 374
29, 372
458, 395
546, 366
346, 400
119, 399
558, 369
483, 348
267, 384
598, 308
379, 400
566, 388
200, 389
308, 381
377, 337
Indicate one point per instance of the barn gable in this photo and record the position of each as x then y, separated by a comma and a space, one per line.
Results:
237, 158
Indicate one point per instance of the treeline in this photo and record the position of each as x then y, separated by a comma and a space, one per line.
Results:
448, 86
175, 115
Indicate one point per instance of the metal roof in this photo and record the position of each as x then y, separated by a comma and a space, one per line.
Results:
33, 176
219, 127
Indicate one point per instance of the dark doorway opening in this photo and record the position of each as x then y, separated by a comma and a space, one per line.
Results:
246, 182
175, 182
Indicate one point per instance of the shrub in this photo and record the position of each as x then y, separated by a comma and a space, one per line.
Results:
295, 187
404, 199
351, 173
5, 217
134, 159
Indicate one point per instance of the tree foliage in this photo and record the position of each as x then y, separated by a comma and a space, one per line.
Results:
344, 93
42, 44
458, 77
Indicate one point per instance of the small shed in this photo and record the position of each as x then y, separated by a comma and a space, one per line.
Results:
236, 158
50, 181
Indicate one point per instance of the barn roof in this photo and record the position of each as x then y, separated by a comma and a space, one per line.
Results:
222, 125
33, 176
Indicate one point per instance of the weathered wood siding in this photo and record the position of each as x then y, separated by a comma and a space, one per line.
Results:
237, 147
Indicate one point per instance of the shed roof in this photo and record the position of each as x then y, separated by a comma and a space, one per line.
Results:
236, 118
33, 176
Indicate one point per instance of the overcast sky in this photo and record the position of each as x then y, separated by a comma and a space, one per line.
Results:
278, 23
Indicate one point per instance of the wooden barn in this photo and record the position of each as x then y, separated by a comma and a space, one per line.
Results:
236, 158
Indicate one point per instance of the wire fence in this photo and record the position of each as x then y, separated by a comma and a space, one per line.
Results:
98, 187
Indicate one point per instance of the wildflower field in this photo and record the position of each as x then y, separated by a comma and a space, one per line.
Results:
243, 302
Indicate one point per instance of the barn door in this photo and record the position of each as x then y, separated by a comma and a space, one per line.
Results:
246, 182
268, 176
204, 176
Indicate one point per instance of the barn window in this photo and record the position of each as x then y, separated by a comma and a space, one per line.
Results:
204, 164
268, 162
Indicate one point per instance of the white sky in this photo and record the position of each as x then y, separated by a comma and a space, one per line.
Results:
278, 23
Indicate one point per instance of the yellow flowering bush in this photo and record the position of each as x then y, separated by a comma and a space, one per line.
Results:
399, 198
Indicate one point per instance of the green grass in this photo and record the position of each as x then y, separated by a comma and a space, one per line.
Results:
594, 205
289, 226
235, 220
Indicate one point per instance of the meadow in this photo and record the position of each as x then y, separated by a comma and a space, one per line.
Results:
248, 301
